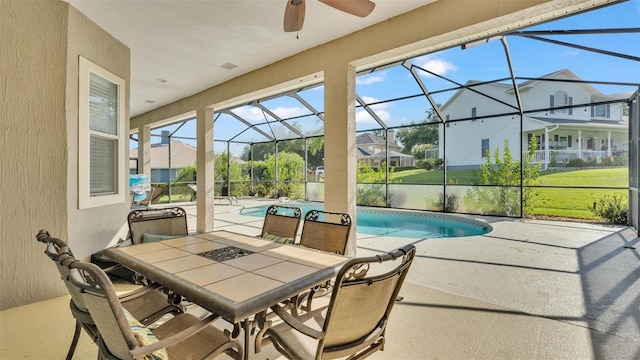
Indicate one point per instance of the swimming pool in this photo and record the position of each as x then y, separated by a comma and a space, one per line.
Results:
397, 223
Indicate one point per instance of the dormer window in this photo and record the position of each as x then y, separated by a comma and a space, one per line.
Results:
560, 99
602, 110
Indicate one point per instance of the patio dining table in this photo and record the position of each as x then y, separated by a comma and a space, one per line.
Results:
232, 275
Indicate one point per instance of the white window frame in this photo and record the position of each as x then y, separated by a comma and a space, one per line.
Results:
561, 95
485, 151
85, 199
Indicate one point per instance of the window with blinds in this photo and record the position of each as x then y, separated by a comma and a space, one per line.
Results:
101, 137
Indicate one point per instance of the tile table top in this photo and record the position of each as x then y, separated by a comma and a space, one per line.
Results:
240, 276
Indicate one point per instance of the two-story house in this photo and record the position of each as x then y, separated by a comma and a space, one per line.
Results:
571, 119
372, 150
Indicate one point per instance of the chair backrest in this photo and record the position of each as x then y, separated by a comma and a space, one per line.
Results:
58, 251
105, 308
326, 231
364, 293
282, 221
167, 221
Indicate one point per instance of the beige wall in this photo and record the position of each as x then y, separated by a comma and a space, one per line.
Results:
40, 43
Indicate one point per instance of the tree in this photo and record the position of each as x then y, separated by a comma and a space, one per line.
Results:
223, 171
291, 176
498, 192
314, 157
424, 134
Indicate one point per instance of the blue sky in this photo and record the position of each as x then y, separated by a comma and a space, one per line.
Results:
530, 58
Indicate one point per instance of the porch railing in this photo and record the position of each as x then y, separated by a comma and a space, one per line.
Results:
563, 156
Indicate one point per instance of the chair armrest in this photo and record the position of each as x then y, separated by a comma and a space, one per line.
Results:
142, 291
111, 268
175, 338
295, 323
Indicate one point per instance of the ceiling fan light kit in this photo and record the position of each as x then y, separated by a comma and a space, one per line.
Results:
295, 10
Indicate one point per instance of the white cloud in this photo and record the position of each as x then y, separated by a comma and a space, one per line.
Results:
287, 112
433, 64
380, 110
370, 79
254, 114
570, 53
250, 113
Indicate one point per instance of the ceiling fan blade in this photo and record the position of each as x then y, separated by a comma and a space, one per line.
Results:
359, 8
294, 15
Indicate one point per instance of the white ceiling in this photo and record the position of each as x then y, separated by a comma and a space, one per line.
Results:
187, 42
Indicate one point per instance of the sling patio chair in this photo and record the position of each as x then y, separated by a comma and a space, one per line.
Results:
147, 304
121, 336
157, 224
354, 323
145, 225
325, 231
281, 223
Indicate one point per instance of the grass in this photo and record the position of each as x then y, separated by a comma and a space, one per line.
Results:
553, 202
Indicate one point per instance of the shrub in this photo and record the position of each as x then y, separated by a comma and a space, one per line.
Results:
575, 163
448, 203
502, 175
612, 208
554, 159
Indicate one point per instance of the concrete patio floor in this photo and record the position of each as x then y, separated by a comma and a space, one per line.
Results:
529, 289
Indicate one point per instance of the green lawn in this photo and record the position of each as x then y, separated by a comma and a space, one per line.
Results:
561, 202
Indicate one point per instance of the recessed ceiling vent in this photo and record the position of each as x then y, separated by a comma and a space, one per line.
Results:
228, 66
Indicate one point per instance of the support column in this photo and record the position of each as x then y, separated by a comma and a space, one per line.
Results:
580, 144
609, 143
340, 144
204, 169
144, 151
546, 148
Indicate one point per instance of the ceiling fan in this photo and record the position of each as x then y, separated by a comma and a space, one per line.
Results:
294, 12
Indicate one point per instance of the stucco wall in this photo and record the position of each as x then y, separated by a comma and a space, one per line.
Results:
38, 172
34, 146
91, 229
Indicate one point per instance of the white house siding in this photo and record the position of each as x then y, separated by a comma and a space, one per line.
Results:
589, 136
463, 143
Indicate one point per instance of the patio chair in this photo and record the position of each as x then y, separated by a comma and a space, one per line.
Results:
326, 231
145, 225
281, 223
147, 304
121, 336
354, 323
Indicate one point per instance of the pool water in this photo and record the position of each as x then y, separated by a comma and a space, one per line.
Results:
397, 223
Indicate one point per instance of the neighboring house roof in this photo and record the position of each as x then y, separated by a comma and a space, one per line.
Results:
369, 138
591, 123
383, 155
566, 74
181, 155
361, 153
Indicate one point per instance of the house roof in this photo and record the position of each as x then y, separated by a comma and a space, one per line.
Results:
383, 154
573, 122
596, 95
181, 155
369, 138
